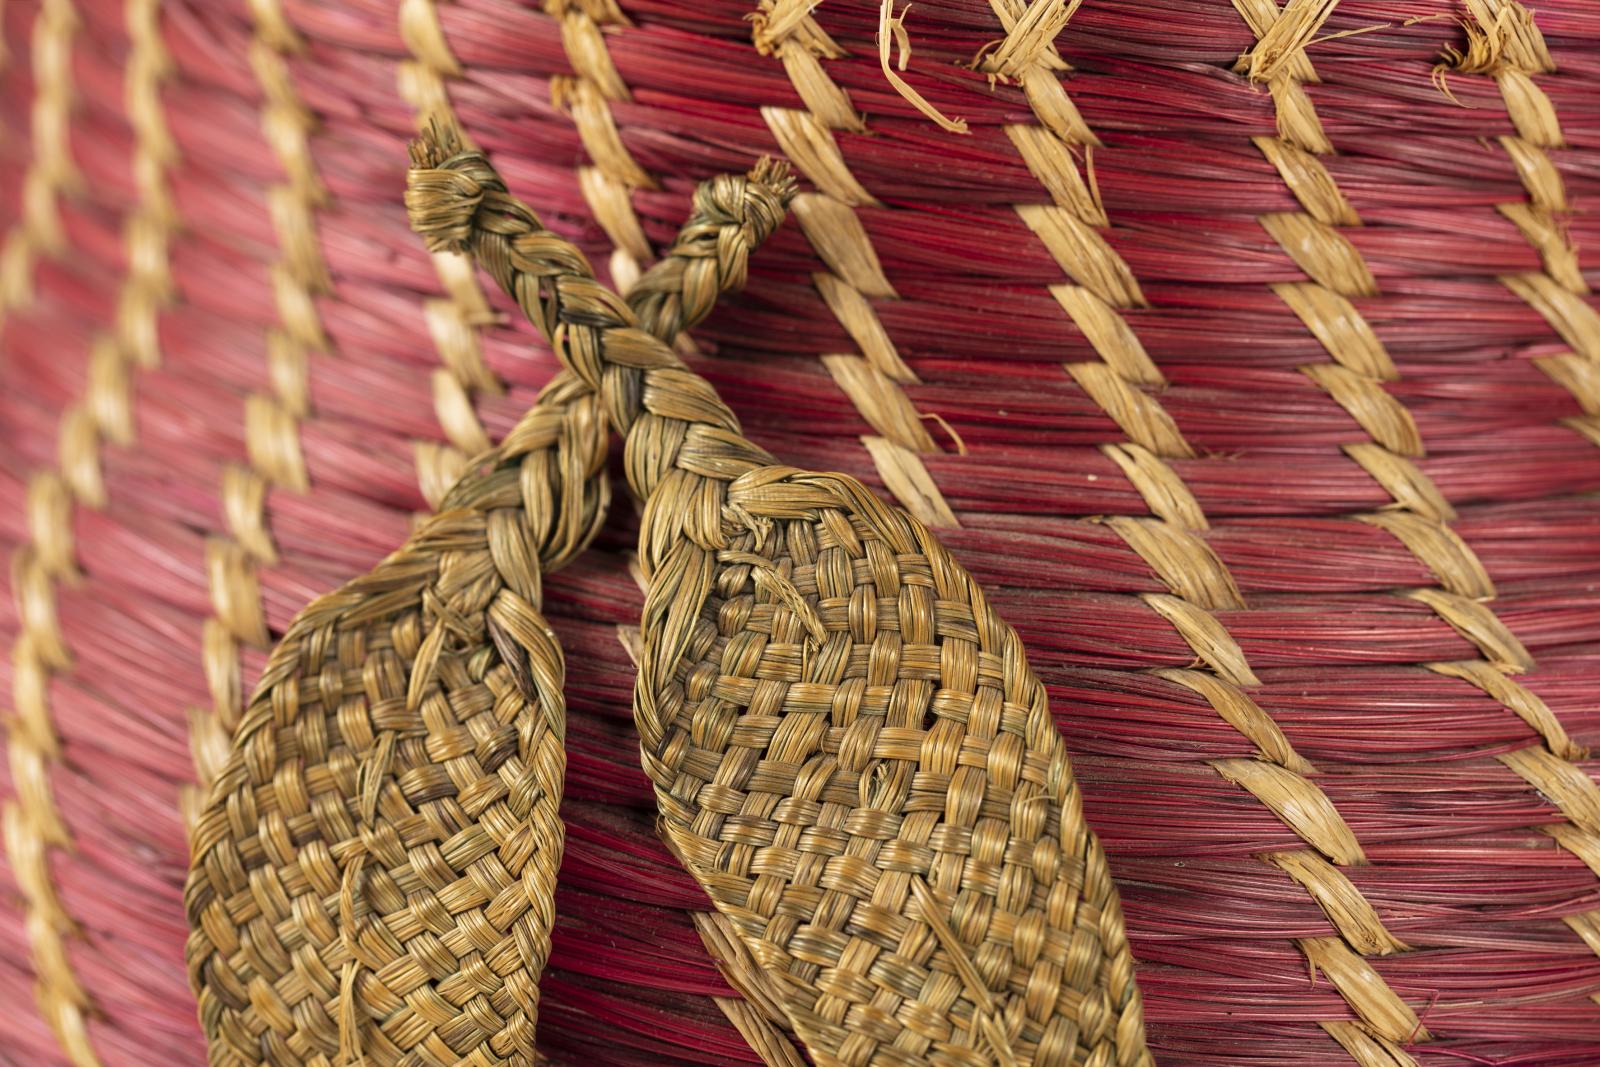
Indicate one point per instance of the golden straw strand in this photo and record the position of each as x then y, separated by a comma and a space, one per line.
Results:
453, 320
1503, 42
272, 421
608, 182
33, 826
1354, 380
873, 376
1172, 542
1102, 288
51, 171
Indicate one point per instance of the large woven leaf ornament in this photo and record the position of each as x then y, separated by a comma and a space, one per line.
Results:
373, 875
848, 749
852, 756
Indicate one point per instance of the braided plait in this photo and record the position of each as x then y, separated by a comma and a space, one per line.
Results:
677, 431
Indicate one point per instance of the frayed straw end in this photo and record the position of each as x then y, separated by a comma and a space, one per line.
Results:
436, 144
777, 176
441, 200
350, 1054
1498, 39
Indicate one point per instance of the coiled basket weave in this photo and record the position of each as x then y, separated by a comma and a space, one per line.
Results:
1240, 355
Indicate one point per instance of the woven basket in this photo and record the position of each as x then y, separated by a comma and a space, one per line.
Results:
1245, 358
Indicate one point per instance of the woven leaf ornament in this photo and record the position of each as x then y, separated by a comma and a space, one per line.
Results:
373, 877
848, 749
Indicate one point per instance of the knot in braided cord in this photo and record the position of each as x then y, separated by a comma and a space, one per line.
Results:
683, 444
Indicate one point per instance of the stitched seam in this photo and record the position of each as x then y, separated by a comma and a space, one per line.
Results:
51, 172
607, 184
33, 825
1171, 543
1556, 294
1103, 286
872, 379
1353, 379
272, 428
454, 320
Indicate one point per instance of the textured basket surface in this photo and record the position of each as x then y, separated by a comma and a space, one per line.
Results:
1259, 397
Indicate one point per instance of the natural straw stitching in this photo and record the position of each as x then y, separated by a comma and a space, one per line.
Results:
1359, 361
1239, 710
33, 826
1104, 285
721, 520
1027, 54
607, 184
786, 29
1279, 59
454, 320
1178, 555
1503, 41
272, 431
51, 171
873, 379
1354, 381
1171, 543
1385, 1016
467, 583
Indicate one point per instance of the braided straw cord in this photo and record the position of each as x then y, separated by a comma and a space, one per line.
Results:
399, 769
849, 751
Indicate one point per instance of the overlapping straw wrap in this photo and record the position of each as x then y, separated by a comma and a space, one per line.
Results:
848, 748
374, 874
